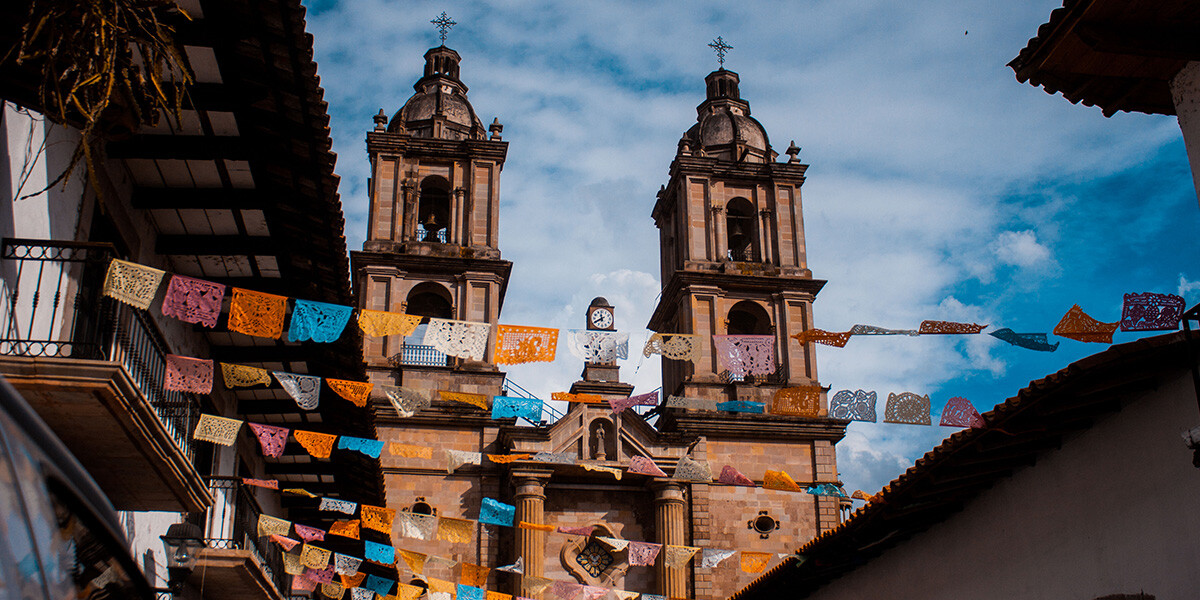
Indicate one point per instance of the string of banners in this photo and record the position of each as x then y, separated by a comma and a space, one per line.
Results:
273, 439
263, 315
196, 375
314, 566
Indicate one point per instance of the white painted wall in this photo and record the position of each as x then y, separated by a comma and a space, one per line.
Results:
1112, 512
1185, 91
35, 152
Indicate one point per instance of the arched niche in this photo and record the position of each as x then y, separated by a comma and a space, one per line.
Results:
602, 440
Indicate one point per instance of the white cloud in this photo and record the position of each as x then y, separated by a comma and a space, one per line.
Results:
1190, 290
1022, 249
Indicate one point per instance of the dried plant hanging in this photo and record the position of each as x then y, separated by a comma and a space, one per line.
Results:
107, 67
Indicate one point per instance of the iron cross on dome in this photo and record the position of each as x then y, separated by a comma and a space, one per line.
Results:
443, 24
720, 47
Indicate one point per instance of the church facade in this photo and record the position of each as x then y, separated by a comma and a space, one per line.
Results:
733, 262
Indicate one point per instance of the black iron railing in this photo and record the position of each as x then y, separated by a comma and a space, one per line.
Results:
426, 235
232, 523
417, 355
51, 295
779, 375
742, 255
53, 305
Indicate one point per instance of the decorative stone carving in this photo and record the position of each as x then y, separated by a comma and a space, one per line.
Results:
591, 562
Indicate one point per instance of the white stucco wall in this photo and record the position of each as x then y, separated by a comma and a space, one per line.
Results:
35, 152
1114, 511
1185, 91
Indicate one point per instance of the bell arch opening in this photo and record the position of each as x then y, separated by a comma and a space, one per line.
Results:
430, 299
740, 227
433, 209
748, 318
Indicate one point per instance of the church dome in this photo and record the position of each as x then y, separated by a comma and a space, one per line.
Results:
439, 108
724, 128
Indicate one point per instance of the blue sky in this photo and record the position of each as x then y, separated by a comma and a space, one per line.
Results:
939, 186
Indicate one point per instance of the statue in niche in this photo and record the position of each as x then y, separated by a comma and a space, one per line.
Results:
599, 454
602, 440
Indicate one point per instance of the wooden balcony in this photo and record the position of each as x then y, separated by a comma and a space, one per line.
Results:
232, 574
93, 369
240, 563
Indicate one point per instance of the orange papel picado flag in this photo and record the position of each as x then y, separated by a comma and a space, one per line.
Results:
516, 344
357, 392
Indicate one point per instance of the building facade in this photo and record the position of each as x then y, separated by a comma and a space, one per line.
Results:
733, 262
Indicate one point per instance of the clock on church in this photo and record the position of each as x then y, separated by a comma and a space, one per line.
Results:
600, 315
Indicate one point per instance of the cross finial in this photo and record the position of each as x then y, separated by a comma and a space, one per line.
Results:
720, 47
443, 23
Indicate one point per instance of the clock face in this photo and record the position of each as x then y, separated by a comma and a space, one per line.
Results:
601, 318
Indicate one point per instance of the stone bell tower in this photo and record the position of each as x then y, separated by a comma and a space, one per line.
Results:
432, 249
432, 244
731, 233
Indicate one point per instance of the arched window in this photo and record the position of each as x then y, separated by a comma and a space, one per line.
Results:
433, 209
743, 235
429, 299
748, 318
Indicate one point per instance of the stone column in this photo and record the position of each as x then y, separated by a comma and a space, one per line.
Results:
669, 526
454, 233
408, 211
1185, 92
720, 242
530, 498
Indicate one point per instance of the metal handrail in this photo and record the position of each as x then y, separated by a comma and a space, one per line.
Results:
422, 233
550, 415
419, 355
53, 305
779, 375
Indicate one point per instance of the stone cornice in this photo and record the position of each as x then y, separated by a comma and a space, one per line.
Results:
728, 172
385, 142
682, 282
758, 426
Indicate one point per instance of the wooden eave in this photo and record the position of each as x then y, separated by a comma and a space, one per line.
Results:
268, 81
1114, 54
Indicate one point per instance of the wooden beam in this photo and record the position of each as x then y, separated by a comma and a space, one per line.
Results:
183, 147
210, 198
218, 245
